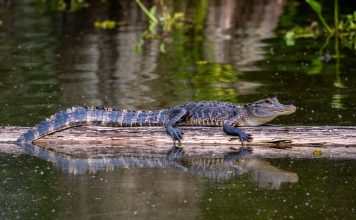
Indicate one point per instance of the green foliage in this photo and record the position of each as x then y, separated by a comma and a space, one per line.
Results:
301, 32
347, 27
166, 20
150, 13
107, 24
344, 29
350, 23
316, 6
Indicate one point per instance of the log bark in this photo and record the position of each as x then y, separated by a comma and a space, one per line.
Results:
268, 141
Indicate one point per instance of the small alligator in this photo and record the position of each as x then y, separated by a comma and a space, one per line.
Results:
205, 113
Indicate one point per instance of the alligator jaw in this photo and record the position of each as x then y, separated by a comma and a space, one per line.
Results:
289, 109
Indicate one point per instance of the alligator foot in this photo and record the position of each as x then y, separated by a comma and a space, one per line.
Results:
175, 133
237, 132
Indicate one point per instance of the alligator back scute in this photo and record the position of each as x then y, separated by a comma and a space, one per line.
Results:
141, 118
153, 118
79, 114
127, 120
29, 135
113, 117
59, 119
43, 128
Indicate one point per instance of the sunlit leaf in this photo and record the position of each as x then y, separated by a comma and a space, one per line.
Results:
162, 48
107, 24
289, 37
153, 11
147, 12
152, 27
315, 6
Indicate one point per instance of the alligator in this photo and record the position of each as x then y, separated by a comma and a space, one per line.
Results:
204, 113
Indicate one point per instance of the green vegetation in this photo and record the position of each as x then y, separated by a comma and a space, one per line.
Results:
165, 20
344, 28
107, 24
341, 32
318, 8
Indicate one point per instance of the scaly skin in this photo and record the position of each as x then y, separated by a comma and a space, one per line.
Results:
206, 113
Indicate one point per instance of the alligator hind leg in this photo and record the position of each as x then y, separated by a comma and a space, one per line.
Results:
171, 129
229, 129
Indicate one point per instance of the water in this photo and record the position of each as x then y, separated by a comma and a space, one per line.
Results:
234, 52
32, 187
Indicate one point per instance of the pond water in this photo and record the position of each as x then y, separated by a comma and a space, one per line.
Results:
230, 51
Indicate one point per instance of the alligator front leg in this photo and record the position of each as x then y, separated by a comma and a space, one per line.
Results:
175, 117
230, 129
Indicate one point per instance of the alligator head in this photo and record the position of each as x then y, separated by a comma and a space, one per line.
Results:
265, 110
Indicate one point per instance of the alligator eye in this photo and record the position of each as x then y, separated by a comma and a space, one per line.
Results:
268, 101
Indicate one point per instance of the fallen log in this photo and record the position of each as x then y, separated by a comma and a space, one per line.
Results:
268, 141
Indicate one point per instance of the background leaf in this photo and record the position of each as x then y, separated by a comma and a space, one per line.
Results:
315, 6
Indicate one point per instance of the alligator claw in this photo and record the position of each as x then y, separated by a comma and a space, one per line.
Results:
237, 132
245, 137
175, 133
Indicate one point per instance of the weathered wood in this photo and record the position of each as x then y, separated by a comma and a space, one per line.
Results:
301, 142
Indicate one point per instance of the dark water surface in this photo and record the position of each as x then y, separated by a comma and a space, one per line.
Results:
233, 51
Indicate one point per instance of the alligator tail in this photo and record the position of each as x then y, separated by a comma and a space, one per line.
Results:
78, 116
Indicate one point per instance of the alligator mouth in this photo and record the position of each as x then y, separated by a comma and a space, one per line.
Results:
288, 110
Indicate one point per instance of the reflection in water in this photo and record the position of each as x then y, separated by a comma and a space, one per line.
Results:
266, 175
235, 30
337, 101
213, 167
101, 68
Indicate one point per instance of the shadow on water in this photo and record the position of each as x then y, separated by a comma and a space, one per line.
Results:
222, 167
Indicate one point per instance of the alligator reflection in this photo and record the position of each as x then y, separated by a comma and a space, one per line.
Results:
216, 167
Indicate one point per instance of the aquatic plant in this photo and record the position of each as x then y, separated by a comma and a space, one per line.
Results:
344, 28
317, 7
107, 24
163, 19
